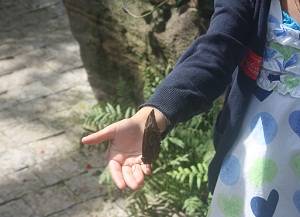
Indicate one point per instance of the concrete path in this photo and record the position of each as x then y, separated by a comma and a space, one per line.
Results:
43, 95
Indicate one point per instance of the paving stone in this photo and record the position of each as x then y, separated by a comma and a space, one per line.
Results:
16, 159
66, 80
49, 174
61, 107
59, 120
52, 148
70, 166
26, 93
98, 207
10, 65
4, 143
80, 211
63, 66
44, 93
110, 209
30, 182
57, 170
86, 186
16, 209
51, 200
24, 76
85, 209
7, 185
70, 120
10, 48
38, 57
80, 158
83, 89
32, 91
29, 111
30, 131
53, 104
8, 119
94, 155
62, 214
18, 184
7, 102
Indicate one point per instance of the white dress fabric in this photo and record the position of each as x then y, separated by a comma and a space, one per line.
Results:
260, 176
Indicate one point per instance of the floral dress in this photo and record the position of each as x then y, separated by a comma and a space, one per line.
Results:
260, 176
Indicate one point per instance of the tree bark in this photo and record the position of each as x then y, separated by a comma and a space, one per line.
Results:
116, 47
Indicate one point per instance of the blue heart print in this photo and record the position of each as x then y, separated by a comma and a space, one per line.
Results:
265, 208
296, 199
294, 121
268, 124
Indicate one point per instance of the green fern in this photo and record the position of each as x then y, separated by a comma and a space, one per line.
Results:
101, 116
192, 206
153, 76
195, 174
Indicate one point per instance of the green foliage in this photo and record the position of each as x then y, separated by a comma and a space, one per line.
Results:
106, 179
102, 115
179, 181
153, 76
180, 2
123, 95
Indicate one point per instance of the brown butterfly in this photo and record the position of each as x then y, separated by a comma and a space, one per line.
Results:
151, 140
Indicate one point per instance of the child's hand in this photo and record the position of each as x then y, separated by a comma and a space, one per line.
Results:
125, 150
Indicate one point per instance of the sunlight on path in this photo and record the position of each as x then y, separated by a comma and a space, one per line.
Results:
44, 93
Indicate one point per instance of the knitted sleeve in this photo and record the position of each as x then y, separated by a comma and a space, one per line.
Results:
205, 69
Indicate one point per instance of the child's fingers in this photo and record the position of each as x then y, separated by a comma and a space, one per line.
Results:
116, 174
147, 169
129, 177
138, 174
103, 135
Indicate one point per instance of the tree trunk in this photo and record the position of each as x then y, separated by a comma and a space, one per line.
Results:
116, 47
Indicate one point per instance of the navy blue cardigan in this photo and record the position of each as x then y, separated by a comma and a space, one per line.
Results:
235, 40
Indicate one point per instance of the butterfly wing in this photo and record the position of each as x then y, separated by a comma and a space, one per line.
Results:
151, 140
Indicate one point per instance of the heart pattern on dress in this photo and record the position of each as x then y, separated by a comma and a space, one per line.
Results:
296, 200
265, 208
294, 121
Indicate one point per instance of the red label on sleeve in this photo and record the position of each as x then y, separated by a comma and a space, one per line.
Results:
251, 64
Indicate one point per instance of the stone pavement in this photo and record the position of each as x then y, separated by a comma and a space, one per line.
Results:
43, 95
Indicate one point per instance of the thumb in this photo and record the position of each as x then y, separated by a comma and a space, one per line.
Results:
105, 134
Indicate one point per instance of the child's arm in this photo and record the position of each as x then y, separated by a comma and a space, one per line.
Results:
205, 69
199, 77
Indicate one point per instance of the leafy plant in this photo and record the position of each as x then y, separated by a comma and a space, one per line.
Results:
102, 115
179, 181
153, 76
